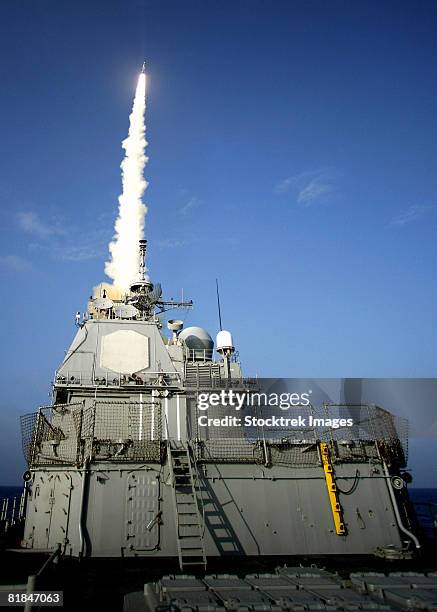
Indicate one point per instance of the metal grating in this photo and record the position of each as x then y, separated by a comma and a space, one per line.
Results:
296, 455
375, 433
68, 433
123, 431
132, 431
228, 450
27, 423
51, 434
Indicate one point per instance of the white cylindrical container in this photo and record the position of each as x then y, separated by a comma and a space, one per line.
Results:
224, 343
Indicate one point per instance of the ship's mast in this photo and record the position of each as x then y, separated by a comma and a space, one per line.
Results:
145, 296
143, 248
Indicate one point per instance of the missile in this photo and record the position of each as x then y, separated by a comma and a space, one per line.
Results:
143, 68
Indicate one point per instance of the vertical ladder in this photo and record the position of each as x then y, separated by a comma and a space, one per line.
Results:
337, 512
188, 522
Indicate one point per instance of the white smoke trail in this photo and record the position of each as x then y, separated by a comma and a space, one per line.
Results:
129, 226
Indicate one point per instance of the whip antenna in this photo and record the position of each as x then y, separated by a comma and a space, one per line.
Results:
218, 304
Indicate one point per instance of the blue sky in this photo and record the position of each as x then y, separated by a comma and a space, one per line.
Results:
292, 155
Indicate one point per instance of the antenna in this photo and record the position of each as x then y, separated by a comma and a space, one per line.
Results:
218, 304
143, 247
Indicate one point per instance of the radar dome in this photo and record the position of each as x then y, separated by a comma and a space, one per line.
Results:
198, 341
225, 344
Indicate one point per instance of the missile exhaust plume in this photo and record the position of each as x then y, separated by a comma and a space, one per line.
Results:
129, 227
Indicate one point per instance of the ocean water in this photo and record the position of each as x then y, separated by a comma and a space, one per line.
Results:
10, 492
425, 505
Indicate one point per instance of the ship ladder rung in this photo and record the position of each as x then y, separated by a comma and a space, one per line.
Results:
189, 532
336, 509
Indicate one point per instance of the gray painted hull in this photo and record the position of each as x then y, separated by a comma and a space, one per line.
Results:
247, 509
104, 475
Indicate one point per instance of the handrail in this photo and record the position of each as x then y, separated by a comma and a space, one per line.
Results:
32, 579
198, 354
194, 355
110, 379
85, 472
12, 510
396, 509
196, 484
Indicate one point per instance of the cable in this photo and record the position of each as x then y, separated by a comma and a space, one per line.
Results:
353, 487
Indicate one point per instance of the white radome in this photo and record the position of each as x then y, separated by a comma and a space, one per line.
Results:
224, 341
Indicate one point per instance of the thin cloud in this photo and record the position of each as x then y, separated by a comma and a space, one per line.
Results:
76, 246
313, 192
84, 246
82, 252
14, 263
285, 185
31, 223
409, 215
308, 188
192, 203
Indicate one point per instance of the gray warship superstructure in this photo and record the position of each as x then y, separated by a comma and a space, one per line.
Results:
119, 465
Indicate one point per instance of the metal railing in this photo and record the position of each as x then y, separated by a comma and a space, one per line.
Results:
124, 430
33, 579
12, 510
107, 430
113, 379
110, 315
195, 355
374, 431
